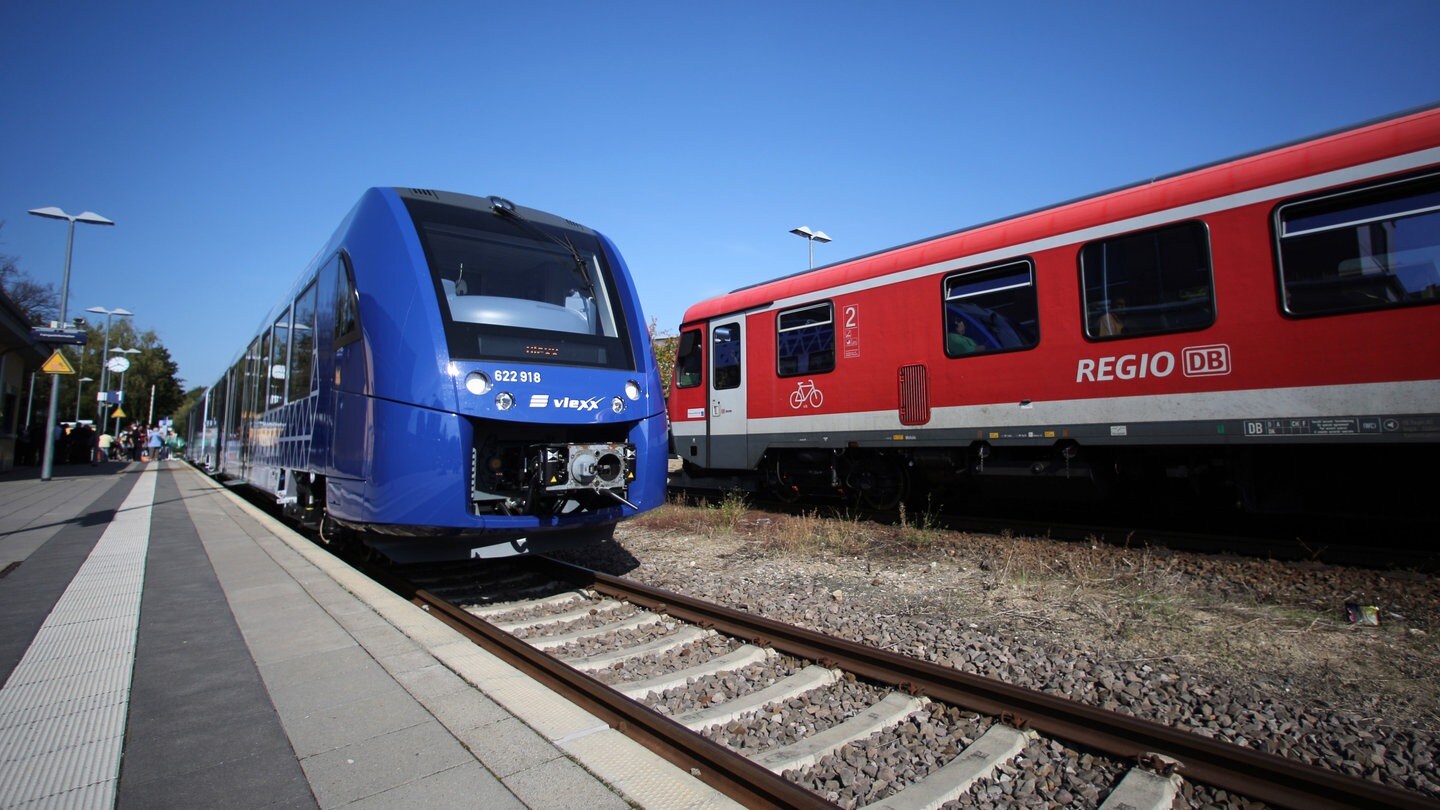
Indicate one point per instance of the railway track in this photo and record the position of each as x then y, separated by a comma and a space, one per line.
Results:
966, 732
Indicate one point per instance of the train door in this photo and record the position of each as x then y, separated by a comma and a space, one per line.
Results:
321, 439
728, 430
689, 398
350, 438
249, 407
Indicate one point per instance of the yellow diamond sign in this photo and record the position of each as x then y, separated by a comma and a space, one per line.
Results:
57, 364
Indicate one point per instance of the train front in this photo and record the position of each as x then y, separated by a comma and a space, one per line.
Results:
547, 426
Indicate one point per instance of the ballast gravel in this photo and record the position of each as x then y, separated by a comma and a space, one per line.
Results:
901, 755
715, 690
685, 657
1252, 652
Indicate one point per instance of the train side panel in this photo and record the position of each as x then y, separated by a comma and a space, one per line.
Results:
391, 435
862, 366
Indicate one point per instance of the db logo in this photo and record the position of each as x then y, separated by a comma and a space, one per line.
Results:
1206, 361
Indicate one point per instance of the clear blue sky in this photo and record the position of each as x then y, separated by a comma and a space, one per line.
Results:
228, 140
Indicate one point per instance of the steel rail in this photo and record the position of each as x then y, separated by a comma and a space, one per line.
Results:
728, 772
1255, 774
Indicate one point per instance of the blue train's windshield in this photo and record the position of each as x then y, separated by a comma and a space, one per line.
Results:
512, 289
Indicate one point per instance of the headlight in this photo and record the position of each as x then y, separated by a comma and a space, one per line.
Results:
632, 390
617, 405
504, 401
477, 383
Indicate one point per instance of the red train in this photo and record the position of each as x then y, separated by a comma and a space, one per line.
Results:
1262, 331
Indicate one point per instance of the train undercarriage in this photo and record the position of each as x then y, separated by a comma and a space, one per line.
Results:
1312, 479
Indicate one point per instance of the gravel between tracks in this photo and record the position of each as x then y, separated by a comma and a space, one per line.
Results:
1256, 652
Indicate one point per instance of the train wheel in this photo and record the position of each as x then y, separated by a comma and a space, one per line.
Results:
779, 485
879, 482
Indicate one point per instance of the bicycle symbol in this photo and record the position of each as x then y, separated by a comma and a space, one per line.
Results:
806, 394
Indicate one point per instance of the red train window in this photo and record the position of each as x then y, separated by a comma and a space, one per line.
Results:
991, 309
1149, 282
805, 340
1375, 247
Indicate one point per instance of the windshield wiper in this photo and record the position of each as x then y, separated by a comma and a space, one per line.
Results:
506, 210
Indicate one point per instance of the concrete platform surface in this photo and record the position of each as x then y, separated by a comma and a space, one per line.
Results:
164, 643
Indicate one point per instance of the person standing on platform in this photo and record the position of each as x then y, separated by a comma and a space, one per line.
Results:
153, 443
137, 441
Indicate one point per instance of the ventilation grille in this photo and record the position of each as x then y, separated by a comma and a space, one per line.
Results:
914, 395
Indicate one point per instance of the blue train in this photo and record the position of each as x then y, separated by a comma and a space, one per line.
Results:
452, 376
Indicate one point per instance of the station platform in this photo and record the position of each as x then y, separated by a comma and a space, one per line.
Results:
163, 643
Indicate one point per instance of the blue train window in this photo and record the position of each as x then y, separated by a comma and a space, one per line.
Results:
805, 340
263, 361
523, 287
991, 309
254, 382
347, 308
1363, 249
279, 361
1148, 283
302, 345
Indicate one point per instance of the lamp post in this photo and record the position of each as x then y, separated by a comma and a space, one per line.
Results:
104, 361
90, 218
30, 404
80, 387
812, 237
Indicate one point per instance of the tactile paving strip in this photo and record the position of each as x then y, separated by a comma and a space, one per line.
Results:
62, 711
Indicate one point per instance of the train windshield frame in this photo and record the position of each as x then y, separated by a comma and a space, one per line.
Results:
512, 289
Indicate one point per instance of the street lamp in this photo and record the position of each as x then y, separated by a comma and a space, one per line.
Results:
90, 218
812, 237
80, 386
104, 361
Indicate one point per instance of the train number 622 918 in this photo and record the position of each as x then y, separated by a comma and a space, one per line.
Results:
513, 376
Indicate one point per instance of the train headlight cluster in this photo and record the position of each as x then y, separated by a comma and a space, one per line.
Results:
476, 382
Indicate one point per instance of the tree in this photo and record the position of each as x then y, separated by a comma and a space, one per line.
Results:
150, 367
155, 372
187, 410
664, 345
39, 302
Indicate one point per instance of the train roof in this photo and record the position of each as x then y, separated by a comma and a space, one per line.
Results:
489, 203
404, 193
1337, 149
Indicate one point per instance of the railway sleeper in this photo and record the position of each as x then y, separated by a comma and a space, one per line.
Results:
998, 745
688, 634
501, 608
739, 658
561, 639
893, 709
590, 608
